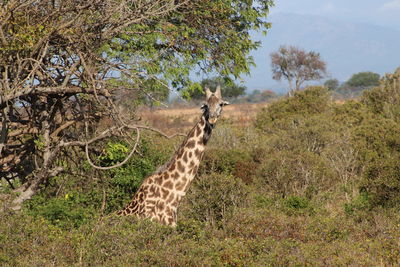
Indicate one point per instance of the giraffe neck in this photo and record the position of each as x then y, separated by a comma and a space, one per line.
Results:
185, 163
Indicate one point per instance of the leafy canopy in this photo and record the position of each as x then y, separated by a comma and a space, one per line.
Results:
229, 88
364, 79
296, 66
332, 84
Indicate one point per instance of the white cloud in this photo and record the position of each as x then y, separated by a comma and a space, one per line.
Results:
392, 5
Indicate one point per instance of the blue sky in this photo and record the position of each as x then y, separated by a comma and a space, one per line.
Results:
364, 13
378, 12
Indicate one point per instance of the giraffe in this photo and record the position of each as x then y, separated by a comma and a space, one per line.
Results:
160, 194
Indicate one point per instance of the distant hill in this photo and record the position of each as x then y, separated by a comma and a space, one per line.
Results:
347, 47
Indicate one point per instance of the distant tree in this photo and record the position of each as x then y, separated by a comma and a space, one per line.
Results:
332, 84
260, 96
364, 79
228, 88
296, 66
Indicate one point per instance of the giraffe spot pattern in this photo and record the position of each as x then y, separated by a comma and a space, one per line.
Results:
185, 157
160, 205
191, 134
168, 184
171, 197
180, 152
191, 144
198, 131
181, 168
181, 185
158, 180
172, 167
175, 175
164, 193
197, 153
191, 165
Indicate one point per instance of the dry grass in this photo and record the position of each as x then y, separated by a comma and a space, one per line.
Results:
172, 120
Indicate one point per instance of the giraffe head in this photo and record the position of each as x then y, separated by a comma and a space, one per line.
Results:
214, 104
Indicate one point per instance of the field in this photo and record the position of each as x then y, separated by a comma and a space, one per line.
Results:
171, 119
300, 181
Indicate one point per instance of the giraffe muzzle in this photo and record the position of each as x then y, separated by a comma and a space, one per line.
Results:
212, 120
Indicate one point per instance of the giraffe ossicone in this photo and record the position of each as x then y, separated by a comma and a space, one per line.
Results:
160, 194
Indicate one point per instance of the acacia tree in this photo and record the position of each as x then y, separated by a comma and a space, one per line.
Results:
364, 79
66, 65
296, 66
332, 84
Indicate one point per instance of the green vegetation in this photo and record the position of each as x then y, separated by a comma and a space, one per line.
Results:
311, 183
364, 79
332, 84
229, 88
356, 85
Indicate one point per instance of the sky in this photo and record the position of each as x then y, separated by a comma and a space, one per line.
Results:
379, 12
384, 13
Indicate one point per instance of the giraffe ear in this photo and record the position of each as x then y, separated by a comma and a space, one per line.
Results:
203, 107
218, 92
208, 93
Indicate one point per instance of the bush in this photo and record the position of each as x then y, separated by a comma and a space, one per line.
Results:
296, 205
72, 210
222, 161
286, 112
361, 202
74, 198
381, 180
385, 99
294, 172
350, 114
213, 198
376, 138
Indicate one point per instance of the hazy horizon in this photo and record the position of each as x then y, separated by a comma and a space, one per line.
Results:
347, 46
377, 12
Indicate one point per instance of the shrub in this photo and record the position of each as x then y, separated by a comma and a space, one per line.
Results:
381, 180
222, 161
361, 202
385, 99
296, 204
376, 138
295, 172
66, 212
350, 114
74, 198
284, 112
212, 198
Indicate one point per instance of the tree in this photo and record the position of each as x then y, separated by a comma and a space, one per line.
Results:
64, 64
332, 84
260, 96
364, 79
228, 88
296, 66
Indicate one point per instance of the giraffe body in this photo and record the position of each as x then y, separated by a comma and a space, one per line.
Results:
159, 195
